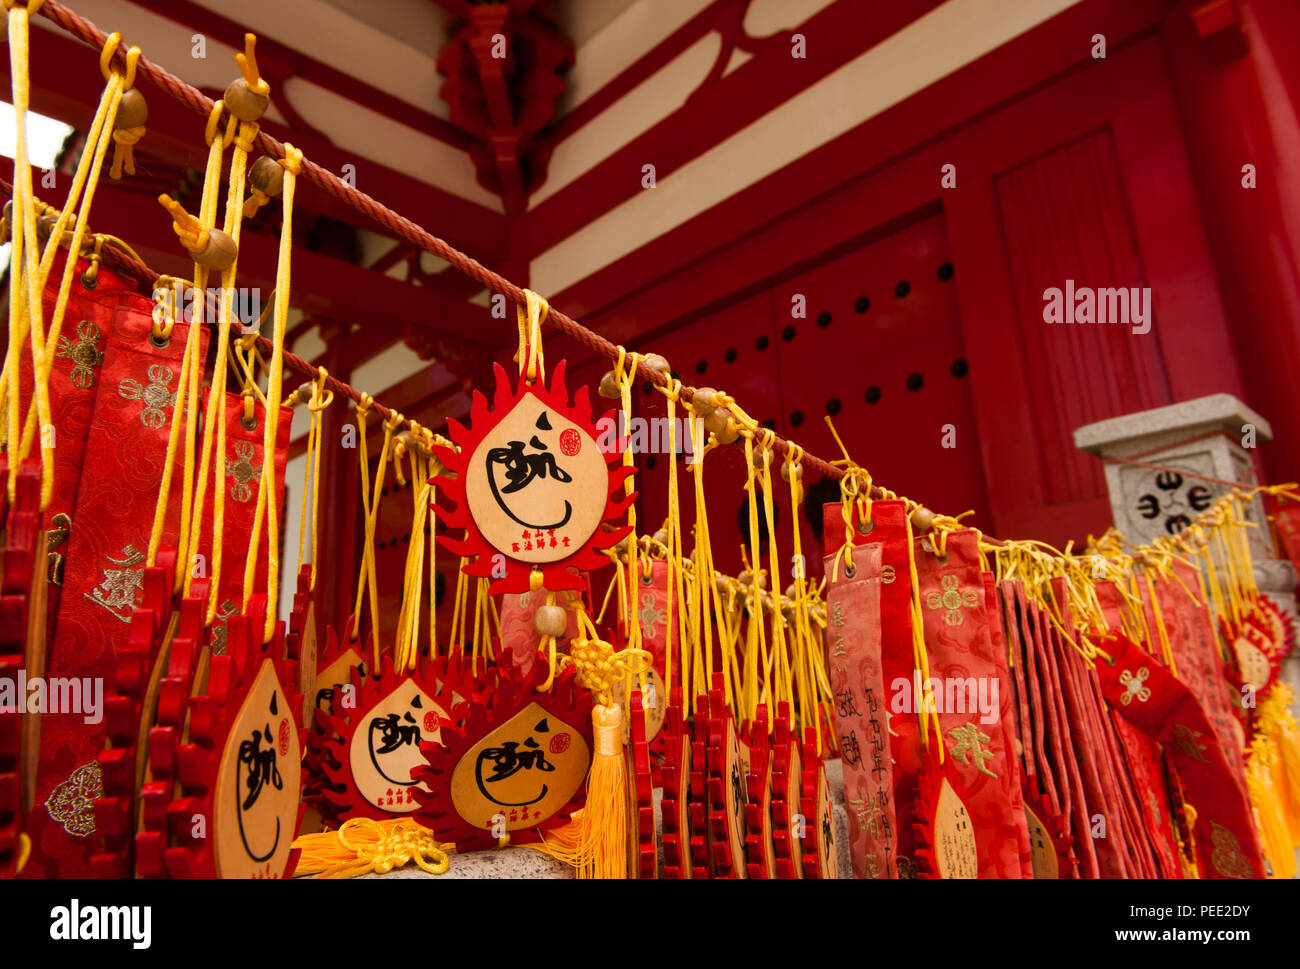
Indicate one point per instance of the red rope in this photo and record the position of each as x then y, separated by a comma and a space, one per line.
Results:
86, 31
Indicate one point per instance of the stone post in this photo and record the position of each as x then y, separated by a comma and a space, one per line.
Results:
1209, 436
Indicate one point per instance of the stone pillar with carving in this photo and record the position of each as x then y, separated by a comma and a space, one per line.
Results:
1210, 437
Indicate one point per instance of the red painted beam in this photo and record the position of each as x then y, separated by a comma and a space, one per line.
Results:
278, 61
636, 72
718, 110
488, 21
66, 85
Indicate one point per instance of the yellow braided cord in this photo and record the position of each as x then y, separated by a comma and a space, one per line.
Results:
367, 581
532, 366
407, 645
266, 503
624, 375
363, 409
24, 317
363, 846
194, 487
85, 176
928, 712
233, 224
321, 397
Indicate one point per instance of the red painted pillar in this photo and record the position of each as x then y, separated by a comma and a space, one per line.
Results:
339, 519
1237, 84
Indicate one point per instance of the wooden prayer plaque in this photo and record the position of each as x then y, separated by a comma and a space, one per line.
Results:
258, 783
530, 486
828, 859
540, 475
954, 836
1254, 665
735, 800
526, 770
333, 676
385, 746
1042, 847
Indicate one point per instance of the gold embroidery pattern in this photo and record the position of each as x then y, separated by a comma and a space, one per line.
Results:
1133, 686
869, 817
155, 396
72, 803
84, 354
56, 536
120, 587
1185, 739
952, 599
968, 747
1226, 857
242, 471
220, 629
907, 868
652, 617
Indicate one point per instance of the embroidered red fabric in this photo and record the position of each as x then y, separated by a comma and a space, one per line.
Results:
853, 649
126, 447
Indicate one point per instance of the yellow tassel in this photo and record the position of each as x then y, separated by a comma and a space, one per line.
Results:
1264, 799
1277, 723
595, 840
364, 845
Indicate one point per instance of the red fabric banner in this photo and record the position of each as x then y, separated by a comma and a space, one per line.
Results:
968, 691
887, 528
853, 649
124, 455
1165, 708
75, 379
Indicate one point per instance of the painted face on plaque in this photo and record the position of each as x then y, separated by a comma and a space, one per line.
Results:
537, 484
386, 747
258, 784
525, 770
528, 482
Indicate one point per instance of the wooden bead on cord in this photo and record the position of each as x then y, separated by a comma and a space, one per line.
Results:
550, 620
719, 424
218, 253
45, 224
658, 363
132, 110
243, 102
785, 471
609, 386
922, 519
266, 176
702, 401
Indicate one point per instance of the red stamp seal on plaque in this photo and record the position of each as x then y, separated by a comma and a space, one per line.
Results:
284, 737
570, 442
